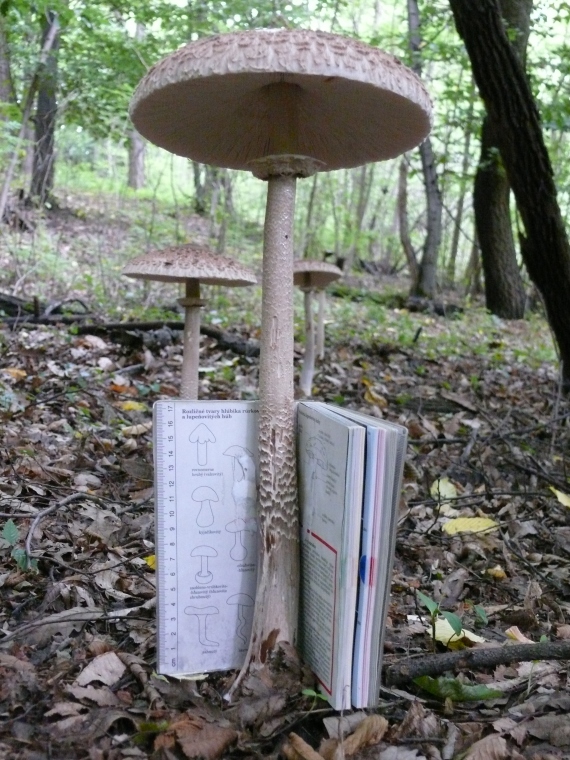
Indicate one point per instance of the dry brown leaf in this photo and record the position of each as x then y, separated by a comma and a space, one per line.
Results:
400, 753
552, 728
492, 747
303, 749
197, 738
369, 732
102, 697
106, 668
418, 722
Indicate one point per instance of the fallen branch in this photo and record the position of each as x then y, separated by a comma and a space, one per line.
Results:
406, 670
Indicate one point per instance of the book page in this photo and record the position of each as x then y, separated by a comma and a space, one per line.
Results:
207, 538
330, 457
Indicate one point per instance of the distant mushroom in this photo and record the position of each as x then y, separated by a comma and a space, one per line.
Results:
202, 436
205, 495
282, 103
242, 601
310, 275
204, 552
239, 527
202, 613
191, 265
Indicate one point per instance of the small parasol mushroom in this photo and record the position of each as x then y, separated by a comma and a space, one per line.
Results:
192, 265
282, 103
310, 275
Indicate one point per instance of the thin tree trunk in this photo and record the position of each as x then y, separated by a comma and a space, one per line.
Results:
473, 284
426, 281
7, 94
501, 80
28, 103
137, 151
403, 221
46, 112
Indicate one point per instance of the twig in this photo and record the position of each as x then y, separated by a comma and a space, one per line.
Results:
134, 665
54, 507
406, 670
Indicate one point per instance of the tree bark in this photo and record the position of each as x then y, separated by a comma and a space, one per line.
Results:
504, 290
426, 280
7, 94
46, 112
403, 221
504, 287
502, 83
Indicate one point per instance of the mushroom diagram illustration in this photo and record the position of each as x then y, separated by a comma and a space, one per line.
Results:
202, 436
202, 613
238, 527
204, 552
205, 495
242, 601
244, 489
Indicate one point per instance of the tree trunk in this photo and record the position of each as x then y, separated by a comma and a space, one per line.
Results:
137, 150
502, 83
426, 281
46, 112
504, 287
403, 221
7, 94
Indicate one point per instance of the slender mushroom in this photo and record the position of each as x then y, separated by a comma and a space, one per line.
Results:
282, 103
244, 489
204, 574
242, 601
205, 495
192, 265
310, 275
202, 613
239, 527
202, 436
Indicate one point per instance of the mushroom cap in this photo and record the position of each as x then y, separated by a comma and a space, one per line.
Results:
202, 434
180, 263
204, 493
203, 551
348, 103
311, 274
244, 600
235, 526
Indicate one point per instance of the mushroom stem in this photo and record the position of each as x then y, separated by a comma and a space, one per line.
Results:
276, 612
191, 348
321, 299
308, 370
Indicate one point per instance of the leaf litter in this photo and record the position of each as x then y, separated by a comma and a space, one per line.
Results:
488, 449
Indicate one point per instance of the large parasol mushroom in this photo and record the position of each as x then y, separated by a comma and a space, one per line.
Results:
310, 276
192, 265
282, 103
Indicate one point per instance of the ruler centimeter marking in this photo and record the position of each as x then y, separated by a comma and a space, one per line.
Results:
166, 549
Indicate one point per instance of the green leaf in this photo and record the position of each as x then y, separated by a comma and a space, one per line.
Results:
481, 614
452, 688
432, 606
22, 560
10, 532
454, 621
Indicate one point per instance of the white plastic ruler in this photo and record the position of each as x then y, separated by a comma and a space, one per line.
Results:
166, 538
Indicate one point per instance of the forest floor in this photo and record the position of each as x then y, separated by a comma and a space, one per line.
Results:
488, 438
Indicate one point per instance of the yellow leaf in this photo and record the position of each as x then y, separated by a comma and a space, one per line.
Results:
133, 406
445, 633
563, 498
375, 398
497, 573
469, 525
151, 561
515, 634
443, 489
17, 374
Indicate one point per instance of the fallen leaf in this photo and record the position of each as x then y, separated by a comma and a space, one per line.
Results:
151, 561
133, 406
552, 728
442, 490
492, 747
496, 572
445, 633
15, 373
141, 429
197, 739
562, 497
87, 479
106, 668
469, 525
516, 634
103, 697
400, 753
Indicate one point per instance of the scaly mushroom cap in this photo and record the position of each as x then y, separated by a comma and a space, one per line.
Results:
232, 98
189, 262
309, 274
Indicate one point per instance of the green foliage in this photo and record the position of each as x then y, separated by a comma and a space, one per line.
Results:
11, 536
455, 690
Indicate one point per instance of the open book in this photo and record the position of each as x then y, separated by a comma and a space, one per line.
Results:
350, 468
